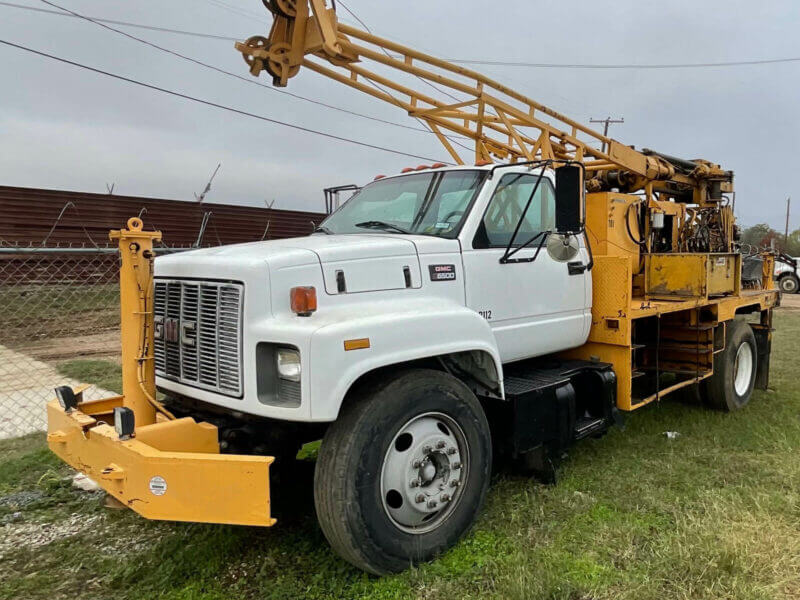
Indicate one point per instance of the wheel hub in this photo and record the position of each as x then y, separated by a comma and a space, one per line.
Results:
421, 477
743, 369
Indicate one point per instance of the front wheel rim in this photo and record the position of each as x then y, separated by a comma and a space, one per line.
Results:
743, 369
424, 472
789, 285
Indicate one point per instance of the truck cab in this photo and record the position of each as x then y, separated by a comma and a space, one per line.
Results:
430, 263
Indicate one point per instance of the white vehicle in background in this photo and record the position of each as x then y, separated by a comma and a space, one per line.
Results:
786, 273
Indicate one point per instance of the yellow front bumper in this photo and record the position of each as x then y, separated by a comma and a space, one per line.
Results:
171, 470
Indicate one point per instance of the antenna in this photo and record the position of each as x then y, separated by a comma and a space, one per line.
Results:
269, 206
206, 214
110, 189
207, 189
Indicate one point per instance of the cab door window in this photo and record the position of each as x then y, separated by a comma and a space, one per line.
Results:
507, 205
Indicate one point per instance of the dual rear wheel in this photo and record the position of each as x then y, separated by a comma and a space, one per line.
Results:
735, 368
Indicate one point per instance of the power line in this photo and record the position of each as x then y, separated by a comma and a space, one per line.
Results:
99, 22
214, 104
499, 63
386, 52
210, 36
422, 79
71, 13
738, 63
242, 12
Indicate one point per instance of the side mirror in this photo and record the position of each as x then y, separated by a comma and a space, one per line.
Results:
569, 199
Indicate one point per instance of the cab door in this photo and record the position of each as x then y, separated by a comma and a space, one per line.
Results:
536, 307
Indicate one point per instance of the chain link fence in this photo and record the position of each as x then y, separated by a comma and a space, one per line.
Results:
59, 325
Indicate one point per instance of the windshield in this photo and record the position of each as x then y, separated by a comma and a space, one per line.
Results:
425, 203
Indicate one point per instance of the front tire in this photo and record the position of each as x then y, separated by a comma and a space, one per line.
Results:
403, 472
789, 284
734, 376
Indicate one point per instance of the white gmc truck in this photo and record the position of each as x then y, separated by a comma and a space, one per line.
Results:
379, 333
786, 273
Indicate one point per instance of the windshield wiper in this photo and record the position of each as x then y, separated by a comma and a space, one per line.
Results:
322, 229
381, 225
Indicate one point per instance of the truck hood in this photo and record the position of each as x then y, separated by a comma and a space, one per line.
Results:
349, 263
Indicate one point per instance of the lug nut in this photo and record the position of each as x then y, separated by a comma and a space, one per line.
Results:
414, 483
420, 498
431, 503
427, 449
416, 464
445, 497
455, 483
451, 451
440, 444
456, 466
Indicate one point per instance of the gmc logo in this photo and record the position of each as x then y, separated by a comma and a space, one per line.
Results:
173, 331
442, 272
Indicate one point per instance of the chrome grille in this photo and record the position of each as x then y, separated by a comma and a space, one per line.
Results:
198, 334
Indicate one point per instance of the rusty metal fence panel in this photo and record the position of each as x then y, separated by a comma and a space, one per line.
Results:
59, 321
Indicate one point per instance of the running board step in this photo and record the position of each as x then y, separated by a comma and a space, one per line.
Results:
587, 426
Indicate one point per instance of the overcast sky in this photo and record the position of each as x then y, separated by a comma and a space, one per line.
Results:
65, 128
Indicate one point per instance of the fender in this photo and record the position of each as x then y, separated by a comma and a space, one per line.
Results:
398, 332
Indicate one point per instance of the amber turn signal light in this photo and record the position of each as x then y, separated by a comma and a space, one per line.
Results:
304, 300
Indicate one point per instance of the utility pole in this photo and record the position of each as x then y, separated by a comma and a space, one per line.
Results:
607, 121
786, 234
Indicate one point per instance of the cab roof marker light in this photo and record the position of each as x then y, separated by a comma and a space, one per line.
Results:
407, 170
422, 167
377, 177
438, 166
483, 163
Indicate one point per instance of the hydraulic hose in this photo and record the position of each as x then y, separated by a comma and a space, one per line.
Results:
142, 358
640, 242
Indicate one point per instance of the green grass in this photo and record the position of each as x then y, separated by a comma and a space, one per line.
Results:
104, 374
57, 311
712, 514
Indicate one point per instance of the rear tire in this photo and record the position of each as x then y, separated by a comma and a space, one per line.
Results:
421, 429
734, 376
789, 284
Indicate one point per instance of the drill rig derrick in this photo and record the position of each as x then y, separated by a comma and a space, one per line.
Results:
504, 125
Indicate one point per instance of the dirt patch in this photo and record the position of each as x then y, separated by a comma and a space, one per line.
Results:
104, 345
790, 302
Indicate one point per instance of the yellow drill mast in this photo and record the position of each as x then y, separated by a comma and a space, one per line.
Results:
503, 124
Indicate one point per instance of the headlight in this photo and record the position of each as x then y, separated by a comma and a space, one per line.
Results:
288, 364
